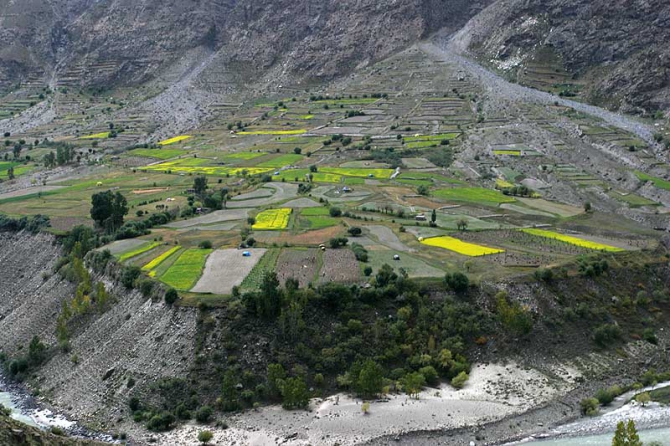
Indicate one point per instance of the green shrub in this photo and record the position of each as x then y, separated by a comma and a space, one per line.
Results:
204, 414
171, 296
129, 274
459, 381
606, 335
589, 406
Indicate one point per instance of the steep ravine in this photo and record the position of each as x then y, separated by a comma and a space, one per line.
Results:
136, 337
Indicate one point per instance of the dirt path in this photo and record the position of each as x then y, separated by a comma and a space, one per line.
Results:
449, 50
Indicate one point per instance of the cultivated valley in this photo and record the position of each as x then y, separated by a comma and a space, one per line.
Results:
333, 223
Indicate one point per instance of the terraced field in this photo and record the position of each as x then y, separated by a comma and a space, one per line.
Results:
187, 269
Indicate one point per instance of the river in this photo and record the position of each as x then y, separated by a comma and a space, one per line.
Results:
29, 411
661, 436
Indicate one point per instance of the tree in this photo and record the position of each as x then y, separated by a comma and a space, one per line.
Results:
355, 231
205, 437
10, 173
643, 398
294, 394
626, 435
587, 207
36, 350
200, 185
108, 209
423, 190
171, 296
313, 169
462, 225
433, 217
370, 379
297, 150
458, 282
229, 394
335, 212
276, 376
412, 383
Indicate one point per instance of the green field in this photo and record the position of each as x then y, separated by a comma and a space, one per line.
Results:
161, 154
267, 263
281, 161
658, 182
473, 195
318, 218
185, 272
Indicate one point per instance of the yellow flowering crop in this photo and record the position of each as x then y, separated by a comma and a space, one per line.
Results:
272, 219
96, 136
176, 139
460, 247
160, 259
572, 240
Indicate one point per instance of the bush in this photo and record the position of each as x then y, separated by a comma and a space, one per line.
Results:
589, 406
204, 414
604, 396
205, 437
335, 212
205, 244
171, 296
459, 380
161, 422
458, 282
430, 374
146, 287
606, 335
367, 271
129, 275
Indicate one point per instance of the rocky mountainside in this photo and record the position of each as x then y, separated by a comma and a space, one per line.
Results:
84, 42
616, 51
105, 350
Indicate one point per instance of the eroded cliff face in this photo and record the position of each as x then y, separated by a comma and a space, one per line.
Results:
136, 338
83, 42
616, 49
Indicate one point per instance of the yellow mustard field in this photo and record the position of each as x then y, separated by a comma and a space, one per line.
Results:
96, 136
460, 247
174, 140
572, 240
507, 152
160, 259
272, 219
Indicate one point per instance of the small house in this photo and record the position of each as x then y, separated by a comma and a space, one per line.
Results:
421, 217
246, 254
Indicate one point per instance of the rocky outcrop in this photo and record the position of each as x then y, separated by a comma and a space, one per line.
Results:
617, 49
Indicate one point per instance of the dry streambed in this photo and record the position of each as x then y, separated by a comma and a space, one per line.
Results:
493, 392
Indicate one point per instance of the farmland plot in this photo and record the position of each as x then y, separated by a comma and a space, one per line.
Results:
225, 269
339, 265
299, 264
187, 269
272, 219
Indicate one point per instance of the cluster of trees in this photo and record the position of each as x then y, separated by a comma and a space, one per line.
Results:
518, 191
389, 337
65, 154
31, 224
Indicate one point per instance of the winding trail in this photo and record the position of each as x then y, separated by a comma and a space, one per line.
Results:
444, 48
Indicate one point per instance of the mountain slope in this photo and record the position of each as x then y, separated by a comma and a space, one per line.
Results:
123, 41
611, 53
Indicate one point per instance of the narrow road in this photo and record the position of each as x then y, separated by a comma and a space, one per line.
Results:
441, 47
